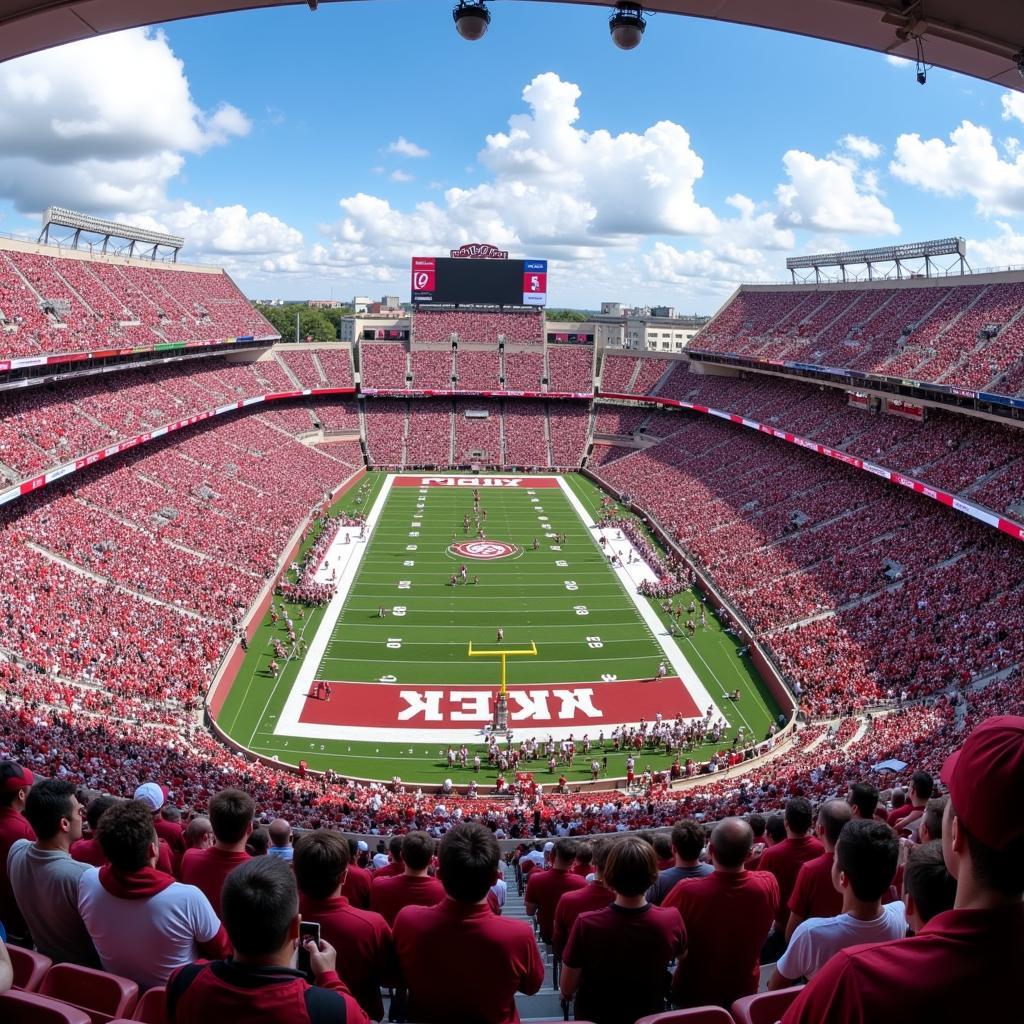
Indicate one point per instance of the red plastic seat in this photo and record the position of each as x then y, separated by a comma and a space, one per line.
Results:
152, 1008
765, 1007
103, 996
695, 1015
29, 967
18, 1007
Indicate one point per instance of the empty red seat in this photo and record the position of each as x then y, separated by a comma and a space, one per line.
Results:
103, 996
29, 967
765, 1007
18, 1007
152, 1008
695, 1015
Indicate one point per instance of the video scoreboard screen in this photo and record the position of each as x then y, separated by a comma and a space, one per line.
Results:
442, 281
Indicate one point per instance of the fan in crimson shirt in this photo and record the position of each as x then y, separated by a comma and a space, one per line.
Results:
727, 915
922, 785
458, 960
545, 888
964, 963
394, 866
616, 958
595, 896
357, 881
231, 814
785, 859
15, 782
259, 984
413, 888
814, 895
362, 937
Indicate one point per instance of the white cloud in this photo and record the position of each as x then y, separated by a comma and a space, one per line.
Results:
403, 147
897, 62
1004, 250
105, 125
78, 123
968, 164
1013, 106
830, 194
861, 146
400, 176
555, 189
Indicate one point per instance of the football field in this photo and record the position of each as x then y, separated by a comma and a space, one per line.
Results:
585, 652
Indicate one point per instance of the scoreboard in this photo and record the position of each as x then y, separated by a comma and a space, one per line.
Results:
468, 283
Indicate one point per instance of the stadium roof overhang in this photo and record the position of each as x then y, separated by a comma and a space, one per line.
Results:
980, 38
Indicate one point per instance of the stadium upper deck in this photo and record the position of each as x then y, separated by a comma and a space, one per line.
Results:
952, 334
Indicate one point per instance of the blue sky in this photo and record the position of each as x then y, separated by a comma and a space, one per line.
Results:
314, 153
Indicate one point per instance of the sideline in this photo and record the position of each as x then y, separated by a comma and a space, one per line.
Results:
676, 658
288, 720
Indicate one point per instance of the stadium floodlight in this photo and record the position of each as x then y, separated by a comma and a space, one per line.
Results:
627, 25
471, 19
922, 76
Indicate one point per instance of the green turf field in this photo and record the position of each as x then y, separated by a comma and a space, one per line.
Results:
581, 618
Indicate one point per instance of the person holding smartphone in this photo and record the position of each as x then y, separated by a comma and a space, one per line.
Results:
260, 905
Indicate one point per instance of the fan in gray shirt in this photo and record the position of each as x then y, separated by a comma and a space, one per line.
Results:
687, 843
45, 878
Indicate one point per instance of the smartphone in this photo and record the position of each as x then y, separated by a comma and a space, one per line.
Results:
309, 931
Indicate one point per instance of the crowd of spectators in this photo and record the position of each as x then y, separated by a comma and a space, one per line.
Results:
857, 587
383, 365
965, 335
51, 305
436, 326
477, 371
570, 369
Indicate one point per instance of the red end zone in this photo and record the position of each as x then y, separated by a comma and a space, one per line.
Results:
539, 706
520, 483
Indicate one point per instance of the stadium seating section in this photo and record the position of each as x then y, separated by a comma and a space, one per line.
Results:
961, 335
431, 326
52, 305
570, 368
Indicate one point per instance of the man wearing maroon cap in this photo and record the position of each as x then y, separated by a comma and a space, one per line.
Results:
15, 782
965, 962
413, 888
545, 888
433, 943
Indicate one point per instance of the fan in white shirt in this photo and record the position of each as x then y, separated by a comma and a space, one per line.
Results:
865, 864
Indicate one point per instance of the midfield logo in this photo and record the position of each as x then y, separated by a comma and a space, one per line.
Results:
484, 550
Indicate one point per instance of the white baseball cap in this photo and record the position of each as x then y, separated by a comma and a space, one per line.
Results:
151, 794
361, 846
548, 847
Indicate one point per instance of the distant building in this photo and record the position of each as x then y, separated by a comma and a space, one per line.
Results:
644, 328
361, 303
324, 303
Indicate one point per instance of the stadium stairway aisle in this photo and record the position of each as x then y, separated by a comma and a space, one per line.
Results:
545, 1004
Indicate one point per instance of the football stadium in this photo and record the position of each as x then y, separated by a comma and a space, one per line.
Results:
468, 656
